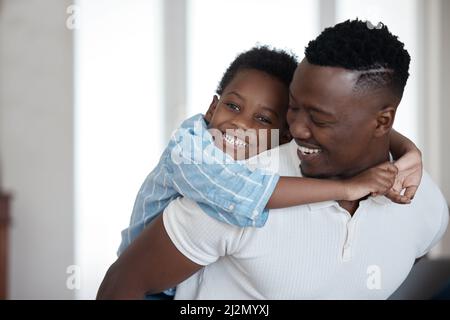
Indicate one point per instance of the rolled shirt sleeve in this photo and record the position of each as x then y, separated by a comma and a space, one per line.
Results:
227, 190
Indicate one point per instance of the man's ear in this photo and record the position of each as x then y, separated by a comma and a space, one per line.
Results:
212, 108
385, 120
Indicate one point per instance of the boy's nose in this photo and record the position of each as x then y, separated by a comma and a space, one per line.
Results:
242, 122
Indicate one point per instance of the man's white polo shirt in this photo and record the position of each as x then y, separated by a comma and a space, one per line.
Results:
315, 251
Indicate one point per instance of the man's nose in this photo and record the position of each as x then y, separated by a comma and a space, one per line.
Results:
299, 129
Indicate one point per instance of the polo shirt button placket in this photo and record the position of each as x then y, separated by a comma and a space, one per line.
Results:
349, 225
346, 254
347, 249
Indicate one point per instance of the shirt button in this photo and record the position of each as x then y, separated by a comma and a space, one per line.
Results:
231, 207
346, 256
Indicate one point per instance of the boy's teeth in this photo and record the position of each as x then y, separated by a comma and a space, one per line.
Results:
234, 141
305, 150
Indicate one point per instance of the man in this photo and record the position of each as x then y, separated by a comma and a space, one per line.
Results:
343, 100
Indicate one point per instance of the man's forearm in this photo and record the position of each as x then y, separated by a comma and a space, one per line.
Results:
113, 287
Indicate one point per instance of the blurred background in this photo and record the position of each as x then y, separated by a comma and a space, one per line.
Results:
90, 91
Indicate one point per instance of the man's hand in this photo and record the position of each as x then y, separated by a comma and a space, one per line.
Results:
374, 181
408, 178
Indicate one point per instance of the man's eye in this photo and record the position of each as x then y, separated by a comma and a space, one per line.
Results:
318, 123
294, 109
233, 107
264, 119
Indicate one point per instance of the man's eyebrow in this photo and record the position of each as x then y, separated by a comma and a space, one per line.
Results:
319, 110
314, 108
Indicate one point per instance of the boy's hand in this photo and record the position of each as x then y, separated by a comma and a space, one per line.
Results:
408, 178
374, 181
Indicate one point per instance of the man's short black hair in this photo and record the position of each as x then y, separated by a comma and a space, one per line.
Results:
276, 63
356, 45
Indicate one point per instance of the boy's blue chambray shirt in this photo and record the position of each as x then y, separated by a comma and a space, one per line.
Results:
228, 191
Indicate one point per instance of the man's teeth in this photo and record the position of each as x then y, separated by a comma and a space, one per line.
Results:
234, 141
307, 150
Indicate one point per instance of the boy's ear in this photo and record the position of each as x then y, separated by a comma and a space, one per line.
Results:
212, 108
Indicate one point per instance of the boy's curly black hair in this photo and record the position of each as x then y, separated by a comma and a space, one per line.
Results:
276, 63
356, 45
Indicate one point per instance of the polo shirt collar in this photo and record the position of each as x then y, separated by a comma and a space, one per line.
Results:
321, 205
379, 200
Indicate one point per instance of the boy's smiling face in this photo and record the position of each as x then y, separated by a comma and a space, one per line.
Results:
251, 107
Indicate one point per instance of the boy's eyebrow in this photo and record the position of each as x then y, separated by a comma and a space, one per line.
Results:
271, 111
263, 107
313, 108
236, 94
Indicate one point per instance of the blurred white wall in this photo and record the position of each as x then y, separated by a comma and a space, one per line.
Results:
445, 112
36, 144
118, 124
217, 32
444, 73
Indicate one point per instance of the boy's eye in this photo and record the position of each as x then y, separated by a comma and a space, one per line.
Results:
264, 119
233, 107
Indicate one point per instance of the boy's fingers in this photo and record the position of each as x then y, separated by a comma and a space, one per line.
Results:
388, 166
397, 197
410, 192
392, 168
402, 200
391, 194
390, 181
388, 175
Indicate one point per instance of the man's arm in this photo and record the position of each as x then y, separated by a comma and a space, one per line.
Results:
150, 264
172, 248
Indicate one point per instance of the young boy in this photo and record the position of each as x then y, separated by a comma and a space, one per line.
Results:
253, 98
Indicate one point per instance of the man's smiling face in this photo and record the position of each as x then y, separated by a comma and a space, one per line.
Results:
332, 124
